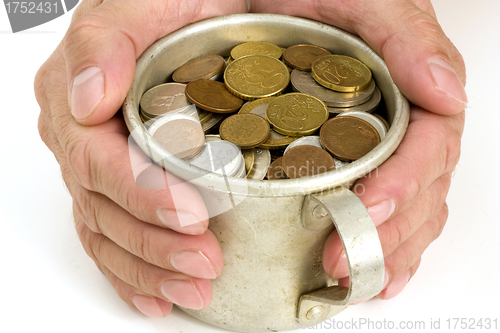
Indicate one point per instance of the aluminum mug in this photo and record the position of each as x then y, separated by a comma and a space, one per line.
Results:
272, 233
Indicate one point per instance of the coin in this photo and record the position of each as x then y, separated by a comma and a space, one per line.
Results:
348, 138
312, 140
222, 157
341, 73
306, 160
249, 157
276, 171
245, 130
256, 76
275, 140
382, 119
261, 164
369, 118
304, 82
296, 114
212, 122
212, 96
302, 56
204, 67
162, 99
248, 107
179, 134
369, 106
256, 48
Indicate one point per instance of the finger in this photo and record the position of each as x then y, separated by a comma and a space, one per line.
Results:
102, 45
150, 306
390, 290
430, 148
108, 168
150, 280
407, 254
197, 256
421, 59
147, 304
398, 285
393, 232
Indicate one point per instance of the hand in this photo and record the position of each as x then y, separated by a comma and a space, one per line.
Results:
406, 195
133, 234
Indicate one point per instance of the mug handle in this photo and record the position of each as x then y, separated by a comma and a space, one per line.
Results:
361, 245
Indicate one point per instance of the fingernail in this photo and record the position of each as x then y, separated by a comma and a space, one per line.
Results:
386, 279
381, 211
342, 268
446, 79
395, 287
183, 293
87, 91
181, 221
149, 306
194, 264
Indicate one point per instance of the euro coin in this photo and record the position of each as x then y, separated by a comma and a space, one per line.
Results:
276, 171
302, 56
212, 96
306, 160
256, 76
204, 67
348, 138
341, 73
275, 140
245, 130
303, 82
296, 114
256, 48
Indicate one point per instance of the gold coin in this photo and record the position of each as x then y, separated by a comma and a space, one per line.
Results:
245, 130
275, 140
307, 160
256, 76
341, 73
348, 138
204, 67
212, 96
302, 56
296, 114
248, 107
249, 157
256, 48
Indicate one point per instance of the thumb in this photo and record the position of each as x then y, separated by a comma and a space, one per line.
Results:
102, 45
422, 61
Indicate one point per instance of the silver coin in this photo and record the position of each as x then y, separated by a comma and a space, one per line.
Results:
369, 118
261, 164
305, 83
212, 137
215, 120
222, 157
312, 140
163, 98
369, 106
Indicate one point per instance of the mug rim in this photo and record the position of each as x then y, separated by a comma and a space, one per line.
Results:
345, 176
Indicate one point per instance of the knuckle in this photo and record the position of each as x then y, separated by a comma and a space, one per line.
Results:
78, 150
140, 243
139, 276
90, 207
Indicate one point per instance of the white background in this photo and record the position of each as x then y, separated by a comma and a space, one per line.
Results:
48, 284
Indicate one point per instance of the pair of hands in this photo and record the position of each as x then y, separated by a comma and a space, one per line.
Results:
134, 234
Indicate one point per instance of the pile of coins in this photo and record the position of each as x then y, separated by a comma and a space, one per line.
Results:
291, 95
